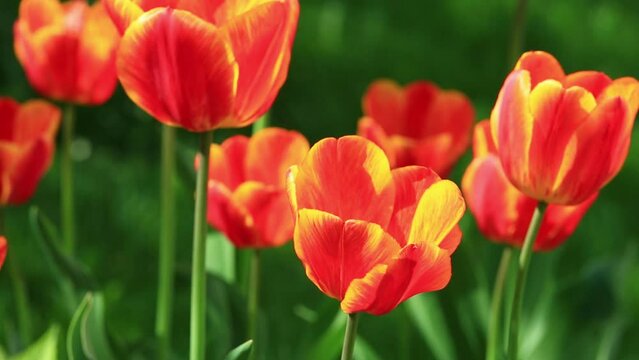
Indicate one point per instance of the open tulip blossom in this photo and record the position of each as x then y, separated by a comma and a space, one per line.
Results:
247, 198
67, 50
27, 143
367, 235
503, 213
419, 124
203, 65
561, 138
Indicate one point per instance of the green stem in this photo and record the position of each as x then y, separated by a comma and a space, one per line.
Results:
167, 244
19, 290
198, 281
66, 180
349, 336
261, 123
493, 350
254, 301
522, 272
517, 33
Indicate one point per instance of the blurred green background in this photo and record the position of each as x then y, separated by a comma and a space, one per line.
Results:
582, 300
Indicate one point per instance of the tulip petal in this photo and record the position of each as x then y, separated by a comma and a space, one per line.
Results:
271, 152
335, 252
593, 81
541, 66
438, 212
384, 101
123, 12
349, 177
227, 161
418, 118
178, 68
417, 269
3, 250
367, 127
261, 39
483, 143
410, 184
228, 217
560, 222
40, 13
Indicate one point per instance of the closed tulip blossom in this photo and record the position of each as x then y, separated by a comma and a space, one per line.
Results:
247, 198
67, 50
561, 138
3, 250
27, 143
203, 65
503, 213
369, 236
417, 125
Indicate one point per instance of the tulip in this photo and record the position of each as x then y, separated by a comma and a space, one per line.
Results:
3, 250
503, 213
368, 236
417, 125
67, 50
27, 143
247, 198
204, 65
561, 138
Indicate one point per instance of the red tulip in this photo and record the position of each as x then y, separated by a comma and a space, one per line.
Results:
368, 236
27, 142
3, 250
203, 65
247, 198
67, 50
561, 138
417, 125
503, 213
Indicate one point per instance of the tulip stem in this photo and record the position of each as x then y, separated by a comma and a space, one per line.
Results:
253, 301
66, 180
494, 349
517, 33
167, 244
198, 276
349, 336
19, 291
522, 272
260, 124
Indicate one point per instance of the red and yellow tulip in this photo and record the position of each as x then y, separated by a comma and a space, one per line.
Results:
3, 250
417, 125
27, 142
561, 138
67, 50
247, 198
368, 236
503, 213
203, 65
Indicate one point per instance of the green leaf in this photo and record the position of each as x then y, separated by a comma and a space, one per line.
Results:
427, 314
240, 352
87, 326
49, 239
45, 348
329, 345
220, 256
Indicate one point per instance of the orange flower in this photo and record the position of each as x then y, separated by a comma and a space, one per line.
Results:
561, 137
417, 125
3, 250
368, 236
203, 65
503, 213
67, 50
247, 198
27, 141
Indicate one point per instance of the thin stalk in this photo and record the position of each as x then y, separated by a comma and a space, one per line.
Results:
349, 336
167, 244
517, 33
19, 291
254, 301
494, 350
66, 180
522, 272
198, 280
260, 124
